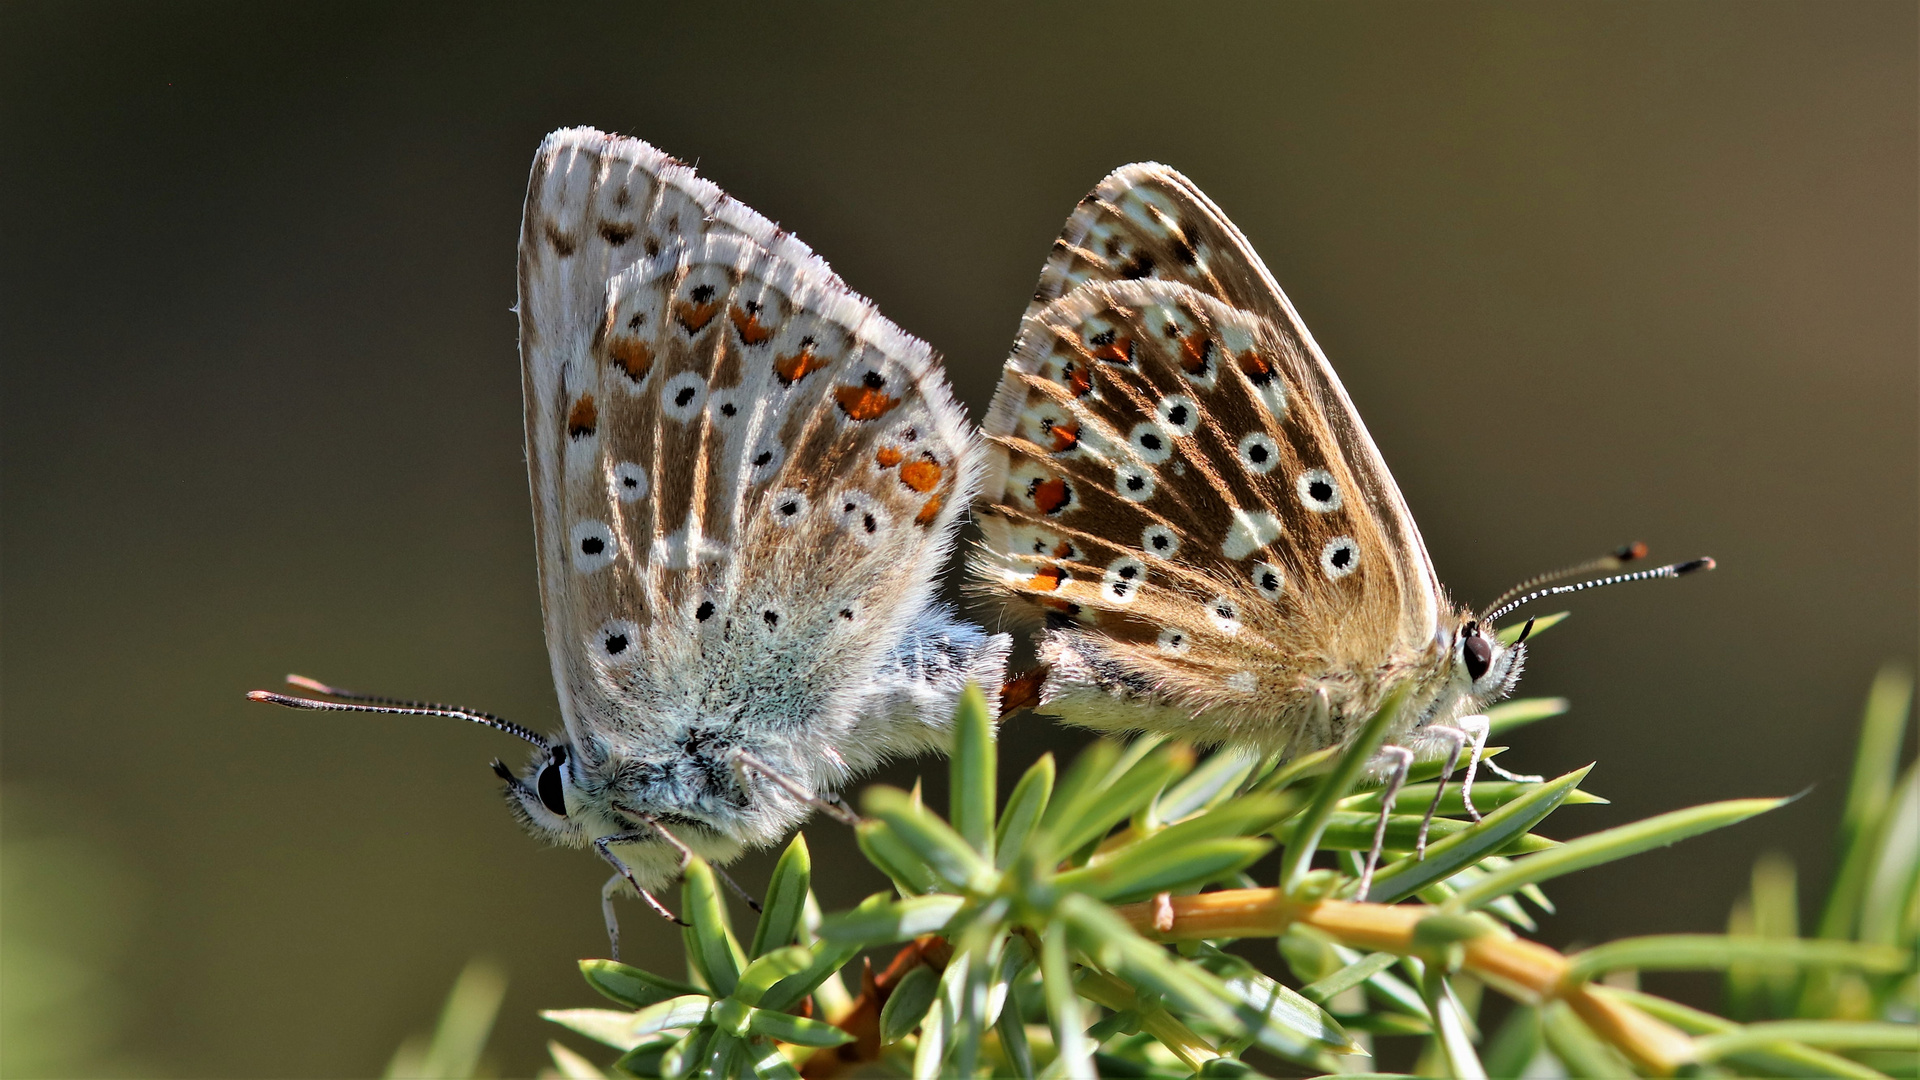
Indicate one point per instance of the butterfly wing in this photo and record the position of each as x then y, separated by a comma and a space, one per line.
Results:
1178, 482
744, 478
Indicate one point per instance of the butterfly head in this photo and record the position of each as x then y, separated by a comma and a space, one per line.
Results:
540, 795
1483, 669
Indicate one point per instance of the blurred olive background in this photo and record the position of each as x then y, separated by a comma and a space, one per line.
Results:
1592, 273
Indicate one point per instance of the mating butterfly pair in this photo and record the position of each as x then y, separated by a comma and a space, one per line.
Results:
746, 482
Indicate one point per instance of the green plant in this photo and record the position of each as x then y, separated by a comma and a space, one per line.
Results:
1079, 927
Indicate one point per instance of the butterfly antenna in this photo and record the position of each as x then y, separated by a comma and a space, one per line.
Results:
1613, 560
371, 703
1672, 570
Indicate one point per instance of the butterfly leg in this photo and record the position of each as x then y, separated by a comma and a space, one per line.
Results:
1494, 766
1476, 727
1399, 759
1456, 741
604, 845
613, 922
744, 762
686, 859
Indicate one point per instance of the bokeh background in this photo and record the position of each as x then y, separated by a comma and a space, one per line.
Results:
1592, 272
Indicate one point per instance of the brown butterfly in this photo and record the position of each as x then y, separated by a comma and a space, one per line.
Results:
1180, 489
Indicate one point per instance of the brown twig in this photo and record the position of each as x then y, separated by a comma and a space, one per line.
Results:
862, 1018
1524, 970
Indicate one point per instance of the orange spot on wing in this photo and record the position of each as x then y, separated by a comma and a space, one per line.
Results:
1256, 368
888, 457
695, 317
792, 369
921, 476
1065, 436
752, 332
1078, 379
1049, 496
582, 418
1119, 351
1196, 352
863, 403
1047, 579
1063, 549
928, 512
632, 356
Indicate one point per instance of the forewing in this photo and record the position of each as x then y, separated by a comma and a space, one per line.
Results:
744, 477
1148, 222
1177, 479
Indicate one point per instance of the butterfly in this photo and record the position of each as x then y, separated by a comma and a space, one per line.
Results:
745, 484
1181, 493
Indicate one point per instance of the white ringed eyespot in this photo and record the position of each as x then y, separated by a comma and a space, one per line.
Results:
1175, 642
1158, 540
683, 395
1150, 441
630, 483
764, 461
1269, 580
1178, 414
1340, 557
592, 546
617, 641
787, 507
1225, 615
1133, 483
1123, 580
1318, 491
1259, 453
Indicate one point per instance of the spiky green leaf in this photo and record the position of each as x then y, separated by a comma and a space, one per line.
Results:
1610, 845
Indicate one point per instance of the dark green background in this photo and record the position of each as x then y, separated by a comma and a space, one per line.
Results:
1593, 273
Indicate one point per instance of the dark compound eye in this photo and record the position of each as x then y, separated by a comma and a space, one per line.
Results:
552, 792
1476, 653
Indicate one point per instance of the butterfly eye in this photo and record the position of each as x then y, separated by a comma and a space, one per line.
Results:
552, 792
1476, 653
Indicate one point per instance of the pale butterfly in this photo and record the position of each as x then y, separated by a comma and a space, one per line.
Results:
745, 483
1179, 487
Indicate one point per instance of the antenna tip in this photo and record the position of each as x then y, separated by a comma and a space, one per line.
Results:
259, 695
1630, 552
1689, 567
305, 683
